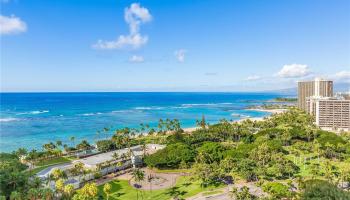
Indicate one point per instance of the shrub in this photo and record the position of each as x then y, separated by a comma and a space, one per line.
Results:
175, 138
277, 190
11, 162
213, 151
332, 138
242, 151
105, 145
171, 156
97, 175
247, 169
270, 132
322, 190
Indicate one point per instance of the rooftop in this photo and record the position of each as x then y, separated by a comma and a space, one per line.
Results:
94, 160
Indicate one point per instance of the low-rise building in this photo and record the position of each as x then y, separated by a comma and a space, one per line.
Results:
103, 163
133, 156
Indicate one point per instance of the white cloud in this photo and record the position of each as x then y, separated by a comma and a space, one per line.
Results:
342, 75
134, 16
136, 59
180, 55
133, 41
11, 25
294, 71
253, 78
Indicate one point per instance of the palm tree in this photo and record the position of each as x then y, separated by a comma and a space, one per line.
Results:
167, 124
125, 133
160, 125
118, 139
21, 152
106, 130
138, 175
84, 145
72, 140
151, 132
310, 132
58, 174
49, 147
108, 164
16, 196
78, 169
32, 156
146, 127
144, 149
68, 190
317, 149
344, 175
59, 143
33, 194
36, 182
47, 194
176, 125
142, 127
107, 188
98, 134
202, 123
115, 156
123, 157
328, 169
59, 185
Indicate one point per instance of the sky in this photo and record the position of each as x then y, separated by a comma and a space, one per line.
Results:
172, 45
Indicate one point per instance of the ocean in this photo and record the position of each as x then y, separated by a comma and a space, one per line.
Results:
31, 119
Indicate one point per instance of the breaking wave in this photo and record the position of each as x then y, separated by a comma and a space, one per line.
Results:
35, 112
10, 119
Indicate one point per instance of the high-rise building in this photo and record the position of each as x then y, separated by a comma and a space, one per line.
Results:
318, 87
330, 113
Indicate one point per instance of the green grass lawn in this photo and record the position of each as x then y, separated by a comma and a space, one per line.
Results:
306, 169
38, 169
54, 161
47, 163
121, 190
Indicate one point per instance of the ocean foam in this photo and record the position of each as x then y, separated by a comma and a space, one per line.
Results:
204, 104
149, 108
35, 112
10, 119
91, 114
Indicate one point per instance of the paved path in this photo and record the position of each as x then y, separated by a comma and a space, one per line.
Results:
225, 195
45, 171
158, 180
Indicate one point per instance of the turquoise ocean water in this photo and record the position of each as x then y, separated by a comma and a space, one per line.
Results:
32, 119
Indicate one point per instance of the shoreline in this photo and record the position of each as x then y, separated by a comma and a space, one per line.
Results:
193, 128
271, 111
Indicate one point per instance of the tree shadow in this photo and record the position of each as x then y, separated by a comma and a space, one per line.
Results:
175, 192
186, 184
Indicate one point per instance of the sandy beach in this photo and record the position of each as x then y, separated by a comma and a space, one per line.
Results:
272, 111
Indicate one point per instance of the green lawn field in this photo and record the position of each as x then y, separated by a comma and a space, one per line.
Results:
121, 190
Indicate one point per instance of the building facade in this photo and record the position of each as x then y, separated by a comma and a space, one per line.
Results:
318, 87
330, 113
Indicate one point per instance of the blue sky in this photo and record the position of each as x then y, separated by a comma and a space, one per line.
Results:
172, 45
